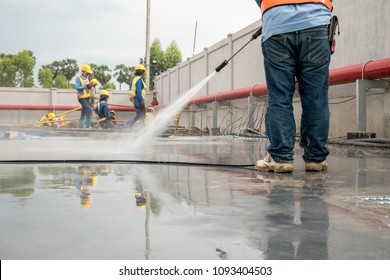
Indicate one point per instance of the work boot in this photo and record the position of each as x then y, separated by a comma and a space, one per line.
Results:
268, 164
316, 166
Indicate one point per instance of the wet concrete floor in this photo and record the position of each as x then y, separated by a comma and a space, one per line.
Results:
180, 198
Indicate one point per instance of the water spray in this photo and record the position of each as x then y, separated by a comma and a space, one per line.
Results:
253, 37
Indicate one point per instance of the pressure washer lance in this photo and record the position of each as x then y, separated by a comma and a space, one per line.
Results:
254, 36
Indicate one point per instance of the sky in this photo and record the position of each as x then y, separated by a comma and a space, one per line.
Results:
112, 32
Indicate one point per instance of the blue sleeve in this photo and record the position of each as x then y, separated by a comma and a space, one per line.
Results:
139, 99
138, 89
258, 2
79, 87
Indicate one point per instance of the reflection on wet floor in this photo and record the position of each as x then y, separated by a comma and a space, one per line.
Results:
80, 210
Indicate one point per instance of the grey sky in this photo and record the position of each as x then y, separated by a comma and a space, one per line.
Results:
113, 31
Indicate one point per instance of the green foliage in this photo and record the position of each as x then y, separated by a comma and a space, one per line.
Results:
17, 70
157, 59
172, 56
162, 61
67, 68
7, 72
61, 81
101, 73
45, 77
122, 74
109, 86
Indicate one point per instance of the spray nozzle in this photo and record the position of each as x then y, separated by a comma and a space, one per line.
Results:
221, 66
257, 33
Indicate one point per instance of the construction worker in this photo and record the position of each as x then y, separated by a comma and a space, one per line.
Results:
103, 112
85, 179
296, 49
48, 120
149, 115
83, 87
138, 88
92, 100
113, 117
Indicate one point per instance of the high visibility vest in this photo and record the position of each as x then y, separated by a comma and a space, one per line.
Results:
133, 86
85, 93
268, 4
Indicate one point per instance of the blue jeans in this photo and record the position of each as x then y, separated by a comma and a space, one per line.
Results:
305, 56
86, 113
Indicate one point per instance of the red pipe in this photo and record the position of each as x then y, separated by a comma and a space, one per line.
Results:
369, 70
56, 108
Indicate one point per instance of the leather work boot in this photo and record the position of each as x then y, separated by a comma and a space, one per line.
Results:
316, 166
268, 164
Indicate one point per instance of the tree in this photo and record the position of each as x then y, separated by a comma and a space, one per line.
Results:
122, 74
69, 69
109, 86
45, 77
7, 72
172, 55
61, 81
17, 70
101, 73
162, 61
24, 62
156, 56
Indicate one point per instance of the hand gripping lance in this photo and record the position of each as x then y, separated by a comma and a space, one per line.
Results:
253, 37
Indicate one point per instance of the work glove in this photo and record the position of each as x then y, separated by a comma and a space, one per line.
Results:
89, 86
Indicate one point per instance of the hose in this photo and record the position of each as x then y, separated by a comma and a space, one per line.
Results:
253, 37
150, 162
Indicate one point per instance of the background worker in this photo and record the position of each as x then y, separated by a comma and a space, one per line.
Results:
149, 115
83, 87
48, 120
103, 112
138, 88
92, 99
113, 117
295, 48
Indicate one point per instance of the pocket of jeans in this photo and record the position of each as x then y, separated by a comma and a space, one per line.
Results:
318, 49
275, 48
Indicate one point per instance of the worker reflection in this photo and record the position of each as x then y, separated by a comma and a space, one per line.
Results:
48, 120
299, 222
85, 179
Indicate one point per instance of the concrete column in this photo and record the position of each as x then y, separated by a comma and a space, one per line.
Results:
215, 128
53, 97
206, 59
231, 52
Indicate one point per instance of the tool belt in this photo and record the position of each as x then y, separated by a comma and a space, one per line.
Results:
334, 24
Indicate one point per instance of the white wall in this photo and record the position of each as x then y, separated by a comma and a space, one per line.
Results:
364, 36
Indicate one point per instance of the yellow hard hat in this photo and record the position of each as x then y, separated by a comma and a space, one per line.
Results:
51, 115
104, 93
94, 81
86, 68
150, 109
140, 67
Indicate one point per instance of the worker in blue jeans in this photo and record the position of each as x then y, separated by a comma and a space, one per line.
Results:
296, 49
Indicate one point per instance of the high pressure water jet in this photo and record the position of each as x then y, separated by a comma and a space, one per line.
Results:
253, 37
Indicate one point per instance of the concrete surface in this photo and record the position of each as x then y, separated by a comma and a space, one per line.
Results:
83, 197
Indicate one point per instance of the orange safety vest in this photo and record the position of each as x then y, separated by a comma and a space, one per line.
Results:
85, 93
268, 4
